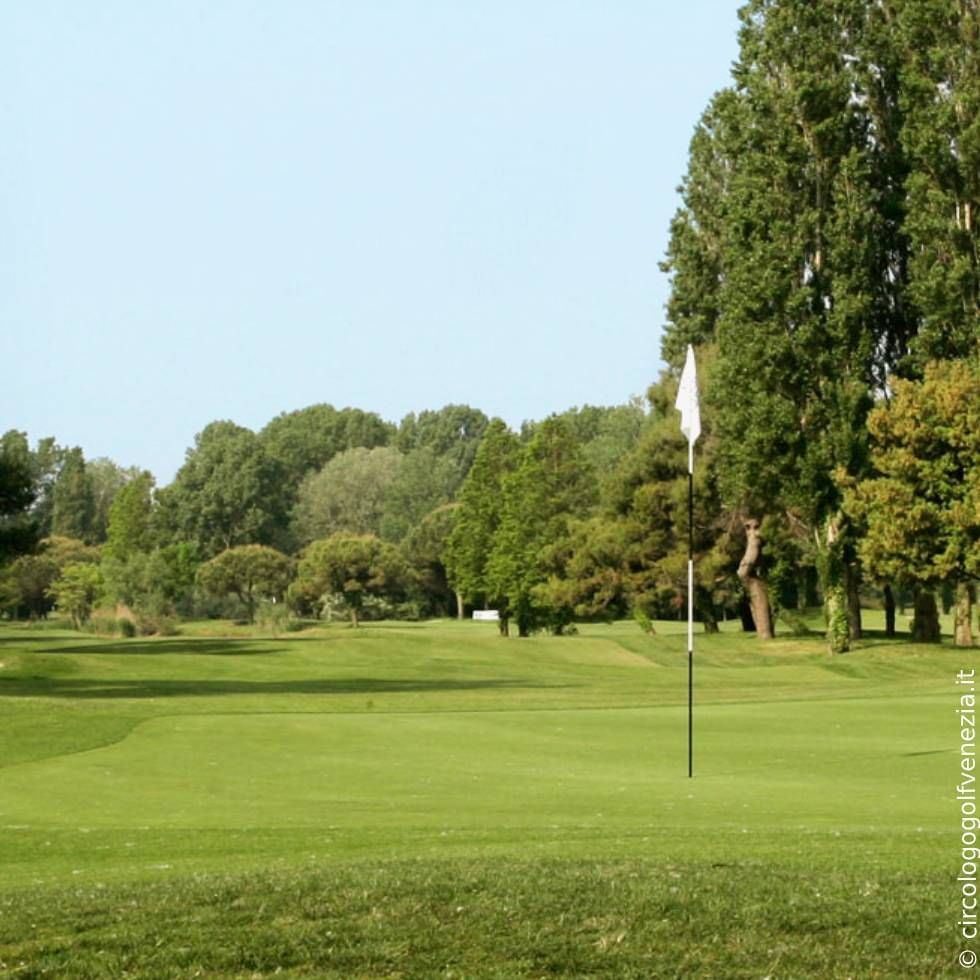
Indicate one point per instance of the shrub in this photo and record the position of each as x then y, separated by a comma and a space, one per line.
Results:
272, 617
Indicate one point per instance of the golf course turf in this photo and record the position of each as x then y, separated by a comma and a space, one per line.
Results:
432, 800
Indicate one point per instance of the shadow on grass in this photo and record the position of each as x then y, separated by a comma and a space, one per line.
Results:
210, 646
107, 689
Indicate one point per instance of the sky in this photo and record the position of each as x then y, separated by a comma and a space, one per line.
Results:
229, 210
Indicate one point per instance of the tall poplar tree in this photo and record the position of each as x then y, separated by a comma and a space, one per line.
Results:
795, 253
940, 43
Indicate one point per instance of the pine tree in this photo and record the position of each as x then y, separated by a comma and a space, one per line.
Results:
479, 515
551, 485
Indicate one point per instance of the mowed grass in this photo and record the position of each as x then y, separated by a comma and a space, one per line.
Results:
432, 800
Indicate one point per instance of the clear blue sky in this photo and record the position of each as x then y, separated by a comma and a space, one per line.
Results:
232, 209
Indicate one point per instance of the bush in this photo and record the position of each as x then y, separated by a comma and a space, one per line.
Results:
272, 617
151, 623
102, 624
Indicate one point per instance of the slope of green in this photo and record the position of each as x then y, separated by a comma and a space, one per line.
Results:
145, 764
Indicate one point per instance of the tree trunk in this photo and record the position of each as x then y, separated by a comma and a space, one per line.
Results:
852, 585
353, 617
965, 597
925, 625
460, 613
503, 625
889, 611
754, 587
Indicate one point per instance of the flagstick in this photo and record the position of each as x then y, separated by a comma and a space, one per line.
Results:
690, 610
687, 404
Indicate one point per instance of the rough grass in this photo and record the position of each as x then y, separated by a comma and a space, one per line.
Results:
430, 800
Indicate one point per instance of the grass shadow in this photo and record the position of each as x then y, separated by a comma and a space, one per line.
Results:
213, 647
81, 689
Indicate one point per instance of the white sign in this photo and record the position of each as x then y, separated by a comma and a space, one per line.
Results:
486, 614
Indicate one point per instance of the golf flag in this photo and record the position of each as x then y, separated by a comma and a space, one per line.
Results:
687, 401
687, 404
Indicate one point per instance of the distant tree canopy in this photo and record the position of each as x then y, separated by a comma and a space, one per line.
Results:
348, 494
225, 494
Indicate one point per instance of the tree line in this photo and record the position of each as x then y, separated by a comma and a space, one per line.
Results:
824, 263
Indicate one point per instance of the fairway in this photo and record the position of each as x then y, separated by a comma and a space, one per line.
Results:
151, 763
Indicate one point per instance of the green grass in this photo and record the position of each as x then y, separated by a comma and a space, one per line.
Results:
324, 802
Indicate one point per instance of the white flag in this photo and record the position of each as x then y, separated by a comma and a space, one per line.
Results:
687, 399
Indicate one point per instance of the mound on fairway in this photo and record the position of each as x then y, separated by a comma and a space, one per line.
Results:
149, 771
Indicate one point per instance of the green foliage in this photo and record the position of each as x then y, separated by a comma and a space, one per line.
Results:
425, 550
73, 499
355, 566
550, 485
18, 531
479, 515
76, 590
940, 104
25, 585
453, 433
250, 572
423, 482
160, 581
226, 494
107, 479
348, 494
921, 509
304, 441
129, 528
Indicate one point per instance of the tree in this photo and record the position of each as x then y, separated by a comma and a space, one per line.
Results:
18, 531
249, 572
304, 441
922, 507
354, 566
479, 515
156, 582
27, 581
73, 498
348, 494
940, 85
550, 485
129, 525
423, 481
107, 479
76, 590
643, 527
452, 433
799, 261
46, 461
424, 549
225, 494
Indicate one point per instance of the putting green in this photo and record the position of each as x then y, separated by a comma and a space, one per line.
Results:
786, 781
